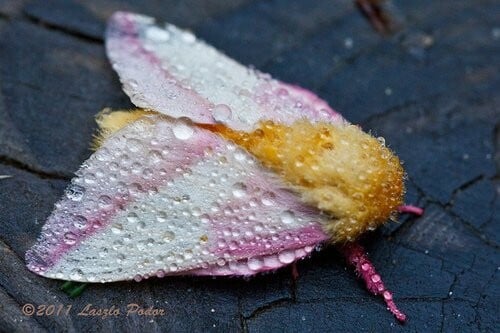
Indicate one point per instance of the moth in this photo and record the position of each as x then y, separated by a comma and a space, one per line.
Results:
222, 170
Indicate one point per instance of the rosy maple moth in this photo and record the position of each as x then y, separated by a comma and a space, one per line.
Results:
222, 170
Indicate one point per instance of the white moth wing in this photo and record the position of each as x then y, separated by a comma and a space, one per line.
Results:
163, 197
169, 70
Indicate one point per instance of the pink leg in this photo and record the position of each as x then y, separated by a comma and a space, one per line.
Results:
356, 256
411, 210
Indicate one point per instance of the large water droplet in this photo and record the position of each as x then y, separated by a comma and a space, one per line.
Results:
182, 130
287, 217
286, 257
255, 264
221, 113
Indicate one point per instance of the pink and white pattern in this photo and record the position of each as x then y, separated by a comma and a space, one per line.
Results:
162, 197
170, 71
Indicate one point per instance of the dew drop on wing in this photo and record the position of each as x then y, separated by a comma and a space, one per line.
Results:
287, 217
75, 192
222, 113
239, 190
156, 34
255, 264
69, 238
286, 257
80, 222
182, 130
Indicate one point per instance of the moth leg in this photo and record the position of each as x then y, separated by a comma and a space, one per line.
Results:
409, 209
356, 256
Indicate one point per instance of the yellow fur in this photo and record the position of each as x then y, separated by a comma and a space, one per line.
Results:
338, 168
111, 121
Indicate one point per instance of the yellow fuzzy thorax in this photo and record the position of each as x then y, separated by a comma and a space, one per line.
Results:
343, 171
346, 173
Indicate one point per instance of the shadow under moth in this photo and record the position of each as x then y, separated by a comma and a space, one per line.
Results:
221, 171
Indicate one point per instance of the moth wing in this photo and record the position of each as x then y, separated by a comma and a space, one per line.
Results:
170, 71
163, 197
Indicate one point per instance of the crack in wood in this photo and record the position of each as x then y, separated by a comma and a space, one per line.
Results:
12, 162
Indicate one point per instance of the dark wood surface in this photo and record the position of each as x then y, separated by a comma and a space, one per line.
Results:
431, 89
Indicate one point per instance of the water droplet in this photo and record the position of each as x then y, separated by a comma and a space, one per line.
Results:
105, 201
134, 145
132, 217
255, 264
76, 274
147, 173
268, 198
287, 217
155, 156
89, 178
286, 257
375, 278
221, 113
75, 192
117, 228
168, 236
188, 37
135, 189
240, 155
161, 216
182, 130
157, 35
239, 190
80, 222
69, 238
